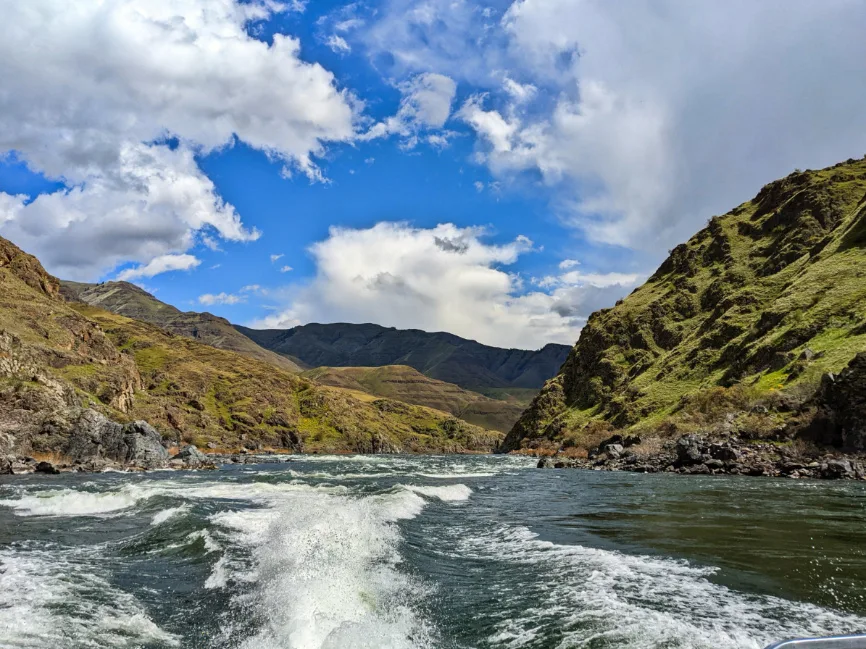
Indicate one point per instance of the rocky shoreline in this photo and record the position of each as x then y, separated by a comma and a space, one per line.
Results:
697, 455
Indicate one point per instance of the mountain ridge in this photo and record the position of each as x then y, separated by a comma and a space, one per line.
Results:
438, 355
127, 299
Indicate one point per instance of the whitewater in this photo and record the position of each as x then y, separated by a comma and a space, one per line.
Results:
407, 552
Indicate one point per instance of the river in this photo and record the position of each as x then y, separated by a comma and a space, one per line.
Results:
405, 552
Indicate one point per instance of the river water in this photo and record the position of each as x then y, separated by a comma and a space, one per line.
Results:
423, 552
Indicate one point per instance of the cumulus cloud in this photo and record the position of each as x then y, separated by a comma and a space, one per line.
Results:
285, 269
644, 117
276, 258
209, 299
152, 204
442, 278
91, 96
425, 105
159, 265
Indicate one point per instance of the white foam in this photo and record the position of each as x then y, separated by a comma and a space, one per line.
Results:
446, 493
456, 474
47, 600
166, 514
70, 502
634, 602
219, 575
325, 569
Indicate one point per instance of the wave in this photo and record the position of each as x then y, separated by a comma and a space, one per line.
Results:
72, 502
171, 512
51, 600
446, 493
598, 596
325, 570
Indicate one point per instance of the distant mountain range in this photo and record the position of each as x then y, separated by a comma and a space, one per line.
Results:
508, 378
441, 356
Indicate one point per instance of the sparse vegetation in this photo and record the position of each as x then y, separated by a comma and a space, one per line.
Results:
751, 311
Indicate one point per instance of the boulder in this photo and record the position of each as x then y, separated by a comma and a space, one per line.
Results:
613, 450
144, 445
688, 450
191, 456
46, 467
93, 435
6, 464
836, 469
724, 453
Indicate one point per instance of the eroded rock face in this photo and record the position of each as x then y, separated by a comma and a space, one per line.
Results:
95, 437
144, 445
841, 408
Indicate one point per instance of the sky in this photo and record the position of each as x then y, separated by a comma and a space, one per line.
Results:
498, 170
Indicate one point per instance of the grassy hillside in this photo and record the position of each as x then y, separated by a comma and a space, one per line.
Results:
57, 358
131, 301
751, 310
441, 356
406, 384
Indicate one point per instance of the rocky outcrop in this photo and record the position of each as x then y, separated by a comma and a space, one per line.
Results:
701, 455
840, 409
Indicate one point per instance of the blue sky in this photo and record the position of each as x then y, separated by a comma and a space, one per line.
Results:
497, 169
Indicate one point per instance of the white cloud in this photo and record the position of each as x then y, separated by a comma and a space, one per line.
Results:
285, 269
565, 264
425, 105
83, 89
647, 116
210, 299
442, 278
152, 204
520, 92
159, 265
338, 44
276, 258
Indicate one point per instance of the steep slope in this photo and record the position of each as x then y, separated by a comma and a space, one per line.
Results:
63, 364
739, 323
441, 356
131, 301
406, 384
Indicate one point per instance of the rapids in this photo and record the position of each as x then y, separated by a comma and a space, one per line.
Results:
400, 552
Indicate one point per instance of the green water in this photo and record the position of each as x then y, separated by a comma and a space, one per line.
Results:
409, 552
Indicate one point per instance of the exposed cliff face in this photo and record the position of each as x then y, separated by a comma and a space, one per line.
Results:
755, 307
71, 373
441, 356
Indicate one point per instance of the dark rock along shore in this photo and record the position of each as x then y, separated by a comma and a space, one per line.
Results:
834, 421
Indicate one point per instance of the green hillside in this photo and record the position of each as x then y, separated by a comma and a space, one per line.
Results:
406, 384
131, 301
60, 359
752, 310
